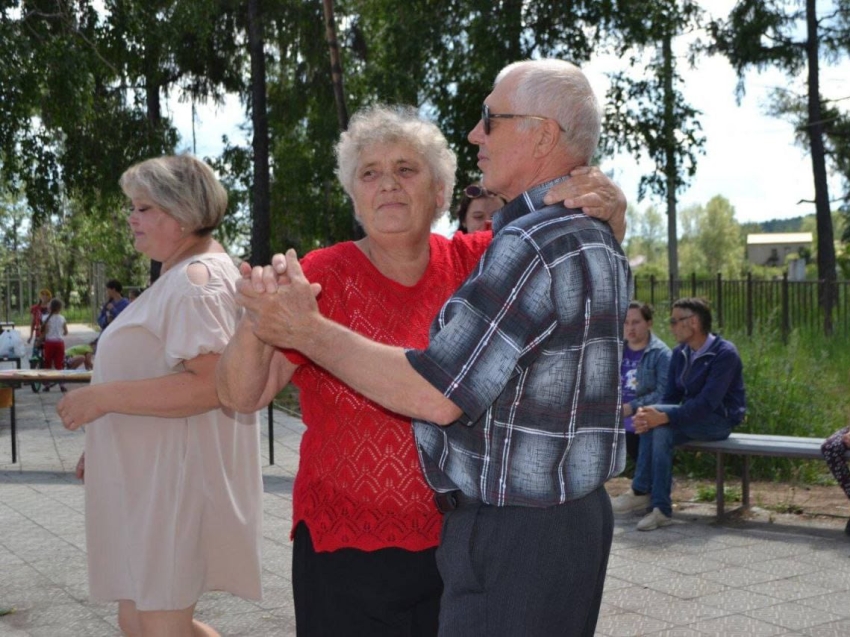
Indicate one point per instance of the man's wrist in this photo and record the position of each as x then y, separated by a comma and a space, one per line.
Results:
314, 340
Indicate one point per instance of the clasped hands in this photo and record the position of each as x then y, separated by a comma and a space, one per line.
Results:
647, 418
279, 301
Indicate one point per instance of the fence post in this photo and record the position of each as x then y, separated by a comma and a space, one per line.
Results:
693, 283
652, 290
749, 303
719, 304
786, 321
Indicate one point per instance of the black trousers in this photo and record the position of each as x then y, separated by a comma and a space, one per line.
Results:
352, 593
515, 571
632, 445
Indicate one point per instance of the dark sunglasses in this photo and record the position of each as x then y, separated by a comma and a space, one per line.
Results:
474, 191
486, 116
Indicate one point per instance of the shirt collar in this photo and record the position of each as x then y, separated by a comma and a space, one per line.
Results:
529, 201
705, 346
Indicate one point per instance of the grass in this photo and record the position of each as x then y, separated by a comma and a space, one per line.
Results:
708, 493
788, 507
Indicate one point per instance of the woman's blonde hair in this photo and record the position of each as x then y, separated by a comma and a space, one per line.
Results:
183, 186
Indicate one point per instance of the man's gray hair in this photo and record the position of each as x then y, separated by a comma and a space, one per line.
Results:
384, 124
558, 89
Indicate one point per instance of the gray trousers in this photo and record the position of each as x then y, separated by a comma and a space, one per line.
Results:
517, 571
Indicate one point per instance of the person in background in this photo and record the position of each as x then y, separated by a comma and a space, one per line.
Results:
38, 312
833, 450
81, 355
476, 208
54, 329
643, 372
365, 524
704, 400
115, 304
173, 482
133, 294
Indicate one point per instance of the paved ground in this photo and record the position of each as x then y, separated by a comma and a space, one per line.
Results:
692, 578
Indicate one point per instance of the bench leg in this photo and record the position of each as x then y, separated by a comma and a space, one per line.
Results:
745, 483
721, 479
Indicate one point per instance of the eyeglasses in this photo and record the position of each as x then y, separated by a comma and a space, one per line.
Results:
673, 321
474, 191
486, 116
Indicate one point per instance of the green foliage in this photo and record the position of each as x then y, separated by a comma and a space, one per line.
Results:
647, 237
477, 38
708, 493
788, 507
711, 240
85, 88
720, 238
645, 112
792, 224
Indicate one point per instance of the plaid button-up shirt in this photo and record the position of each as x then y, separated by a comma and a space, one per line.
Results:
529, 348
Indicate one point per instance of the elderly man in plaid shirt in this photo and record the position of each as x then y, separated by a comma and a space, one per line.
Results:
517, 397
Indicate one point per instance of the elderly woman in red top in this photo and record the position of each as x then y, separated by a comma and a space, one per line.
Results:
365, 525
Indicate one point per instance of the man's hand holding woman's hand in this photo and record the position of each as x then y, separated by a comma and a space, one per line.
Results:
263, 278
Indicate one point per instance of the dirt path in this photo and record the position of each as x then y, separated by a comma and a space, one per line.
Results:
771, 501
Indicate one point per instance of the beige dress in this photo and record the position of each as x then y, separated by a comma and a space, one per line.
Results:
173, 505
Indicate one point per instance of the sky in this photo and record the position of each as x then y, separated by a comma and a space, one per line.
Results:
750, 158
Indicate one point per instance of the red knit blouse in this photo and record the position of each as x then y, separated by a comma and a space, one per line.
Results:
359, 483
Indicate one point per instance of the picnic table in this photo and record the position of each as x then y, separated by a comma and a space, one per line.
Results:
17, 378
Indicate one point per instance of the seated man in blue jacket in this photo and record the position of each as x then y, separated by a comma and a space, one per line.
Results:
704, 400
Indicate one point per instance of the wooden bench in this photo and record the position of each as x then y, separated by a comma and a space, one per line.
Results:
754, 445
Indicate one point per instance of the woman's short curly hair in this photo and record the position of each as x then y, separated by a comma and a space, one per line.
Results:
384, 124
183, 186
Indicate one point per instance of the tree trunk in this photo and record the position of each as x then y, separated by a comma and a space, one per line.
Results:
336, 65
826, 245
670, 162
261, 227
339, 90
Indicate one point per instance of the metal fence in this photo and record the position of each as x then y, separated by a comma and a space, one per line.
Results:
750, 304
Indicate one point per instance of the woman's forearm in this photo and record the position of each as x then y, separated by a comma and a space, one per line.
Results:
250, 373
185, 393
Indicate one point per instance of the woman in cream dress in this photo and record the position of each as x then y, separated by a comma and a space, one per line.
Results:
173, 481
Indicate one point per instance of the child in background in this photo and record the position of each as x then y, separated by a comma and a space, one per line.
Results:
39, 312
80, 355
54, 329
